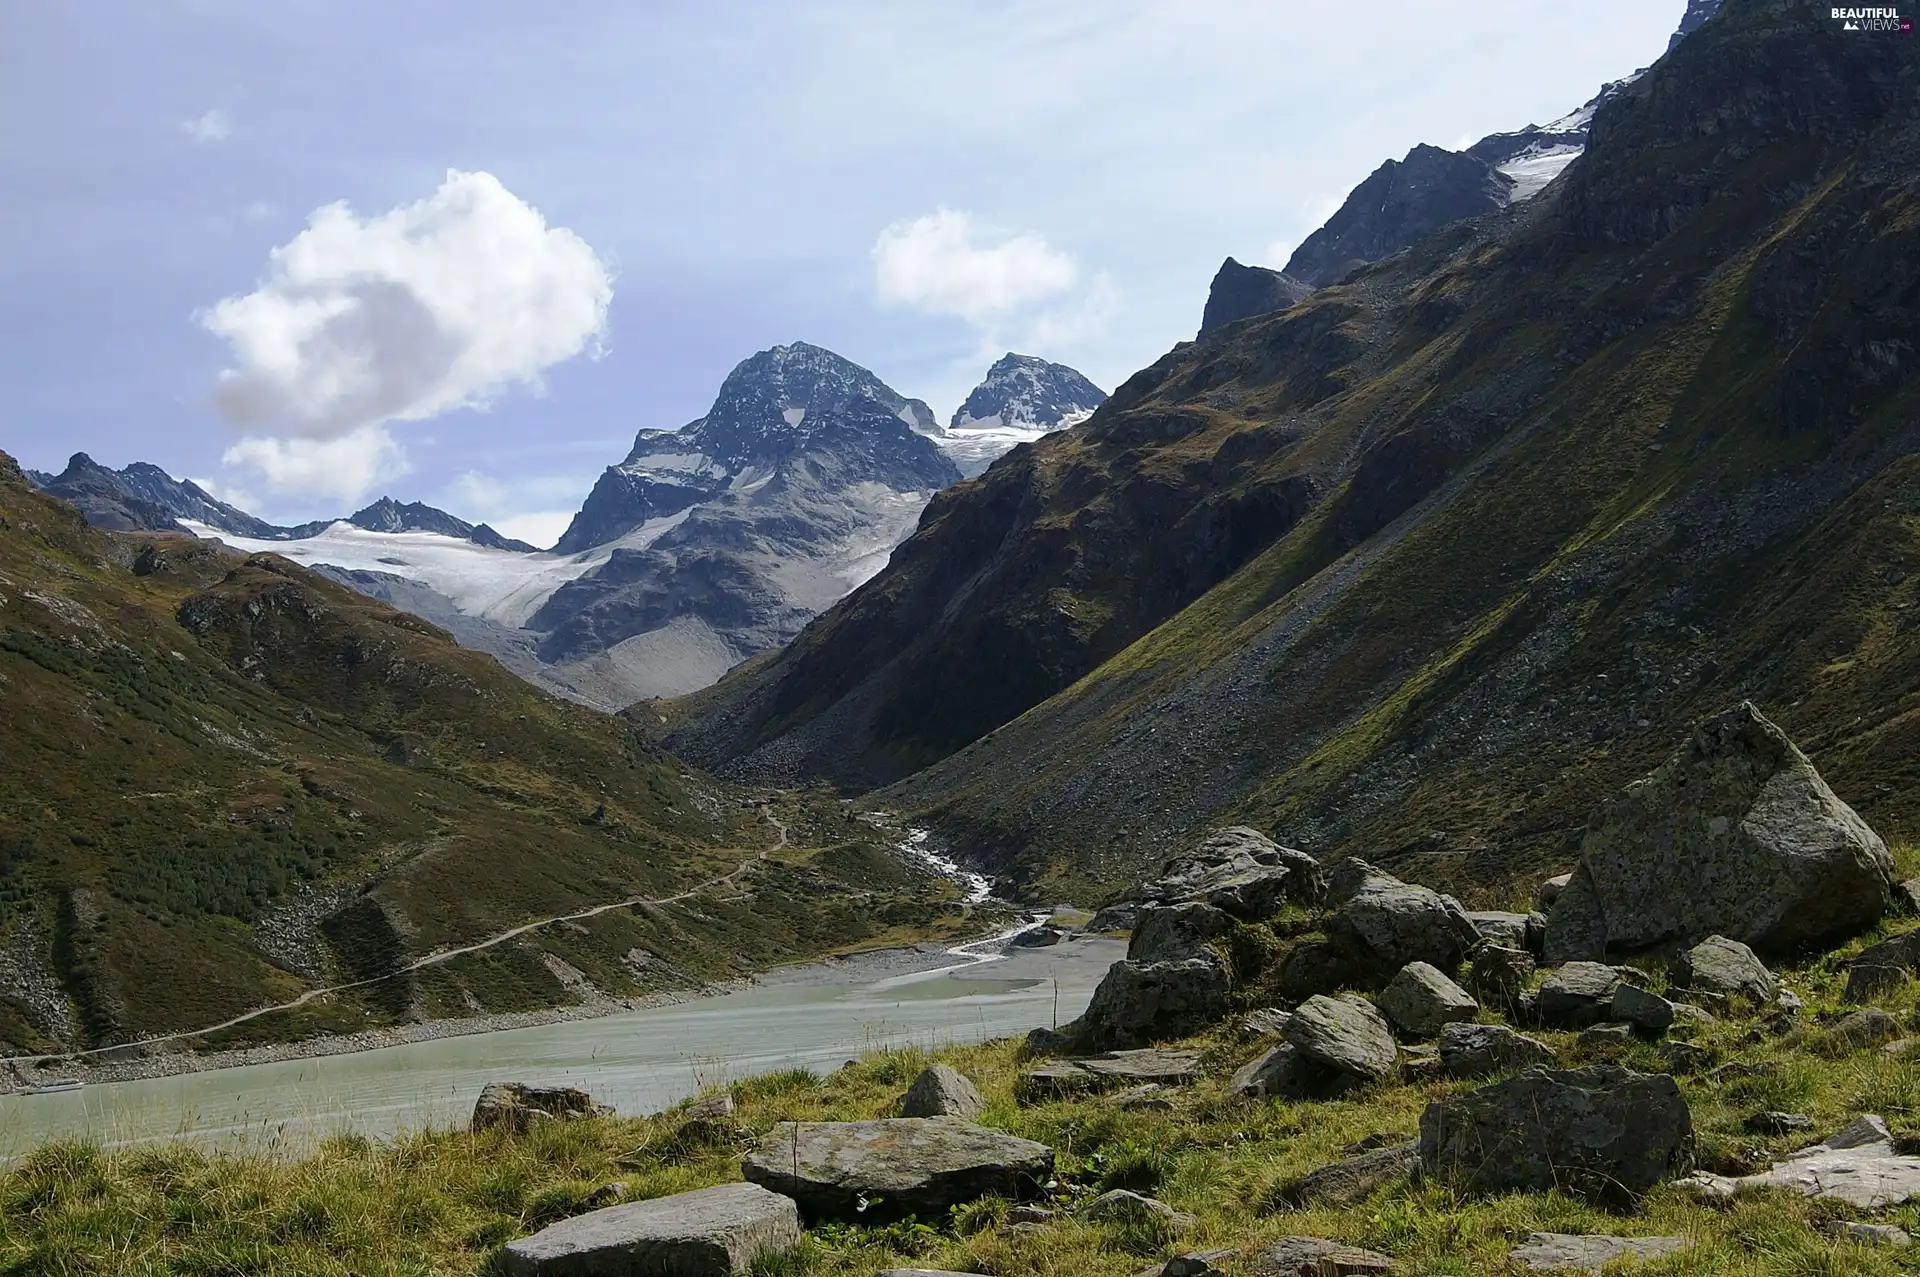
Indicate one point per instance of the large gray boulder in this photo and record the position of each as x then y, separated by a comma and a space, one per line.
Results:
1735, 835
1420, 1001
1345, 1034
895, 1167
1238, 870
1602, 1131
1728, 968
711, 1232
1170, 933
1467, 1050
941, 1091
1141, 1002
1387, 923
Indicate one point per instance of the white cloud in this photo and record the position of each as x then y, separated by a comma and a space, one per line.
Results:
214, 126
435, 305
344, 467
948, 264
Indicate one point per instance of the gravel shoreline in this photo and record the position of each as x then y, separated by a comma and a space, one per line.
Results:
858, 967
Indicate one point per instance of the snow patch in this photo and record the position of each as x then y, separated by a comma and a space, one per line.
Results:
1532, 170
795, 416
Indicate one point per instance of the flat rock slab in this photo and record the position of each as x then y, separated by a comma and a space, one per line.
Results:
1087, 1075
712, 1232
925, 1272
1318, 1257
1567, 1252
1857, 1165
898, 1166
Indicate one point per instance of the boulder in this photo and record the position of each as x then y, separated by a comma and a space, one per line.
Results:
1467, 1050
1317, 965
1600, 1131
1280, 1071
1735, 835
1884, 966
708, 1120
1345, 1034
1870, 1234
941, 1091
1267, 1022
1500, 975
1318, 1257
1041, 937
1386, 923
1862, 1029
1351, 1180
711, 1232
1508, 930
1239, 870
1774, 1123
1728, 969
1420, 1000
1141, 1002
1610, 1036
1589, 1253
515, 1106
1115, 917
1906, 896
1646, 1012
895, 1167
1857, 1165
1044, 1042
1549, 891
1577, 995
1169, 933
1124, 1206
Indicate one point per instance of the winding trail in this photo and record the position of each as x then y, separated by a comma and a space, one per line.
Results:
433, 959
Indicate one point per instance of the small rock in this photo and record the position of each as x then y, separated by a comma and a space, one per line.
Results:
1550, 890
1200, 1263
1740, 1070
1030, 1215
1267, 1022
1609, 1036
1467, 1050
1041, 937
941, 1091
1044, 1042
514, 1106
1777, 1123
711, 1232
1114, 917
1352, 1179
1124, 1206
1862, 1029
1420, 1000
1345, 1034
1646, 1012
1688, 1015
1577, 995
1274, 1072
1871, 1234
1685, 1057
1318, 1257
1906, 896
923, 1272
1728, 968
1566, 1252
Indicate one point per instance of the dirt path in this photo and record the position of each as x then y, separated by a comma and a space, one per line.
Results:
430, 960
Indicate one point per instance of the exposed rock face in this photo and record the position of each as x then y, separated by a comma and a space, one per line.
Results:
1467, 1050
1696, 16
1401, 202
941, 1091
1589, 1253
1168, 933
1021, 399
1857, 1165
1728, 968
1345, 1034
711, 1232
1238, 870
106, 502
1735, 835
1420, 1001
1241, 292
1601, 1131
902, 1166
515, 1106
1141, 1002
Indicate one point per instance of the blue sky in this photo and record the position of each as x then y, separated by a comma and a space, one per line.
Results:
643, 194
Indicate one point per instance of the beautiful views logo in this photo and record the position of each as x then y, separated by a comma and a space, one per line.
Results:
1872, 20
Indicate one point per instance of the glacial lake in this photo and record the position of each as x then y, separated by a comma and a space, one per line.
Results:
637, 1061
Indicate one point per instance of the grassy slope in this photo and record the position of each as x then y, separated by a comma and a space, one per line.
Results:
224, 781
442, 1202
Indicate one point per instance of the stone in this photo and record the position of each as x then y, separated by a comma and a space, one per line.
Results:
1042, 937
1319, 1257
1727, 968
1169, 933
1685, 1057
1646, 1012
1577, 995
1549, 891
1274, 1072
1141, 1002
1735, 835
1043, 1042
1508, 930
1267, 1022
1686, 1015
1611, 1035
1467, 1050
1420, 1000
1317, 965
1114, 917
1500, 975
1345, 1034
1150, 1098
1883, 967
898, 1166
1124, 1206
1862, 1029
1857, 1165
515, 1106
923, 1272
1239, 870
1353, 1179
1096, 1073
708, 1120
711, 1232
941, 1091
1199, 1263
1387, 923
1871, 1234
1771, 1123
1589, 1253
1600, 1131
1906, 896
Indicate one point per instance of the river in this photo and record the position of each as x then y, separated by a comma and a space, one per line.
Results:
637, 1061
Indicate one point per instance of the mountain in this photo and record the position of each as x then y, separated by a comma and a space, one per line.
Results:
226, 782
1022, 398
723, 538
1401, 202
388, 515
1696, 16
105, 501
1425, 565
1240, 292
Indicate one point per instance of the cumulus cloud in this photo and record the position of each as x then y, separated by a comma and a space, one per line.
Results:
214, 126
361, 321
949, 264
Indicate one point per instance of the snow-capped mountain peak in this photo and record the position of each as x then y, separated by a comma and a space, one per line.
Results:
1022, 398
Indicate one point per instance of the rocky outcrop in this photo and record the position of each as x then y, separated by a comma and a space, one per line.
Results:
1384, 924
1095, 1073
942, 1091
1603, 1132
1241, 292
711, 1232
1240, 871
1169, 933
895, 1167
1735, 835
1141, 1002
